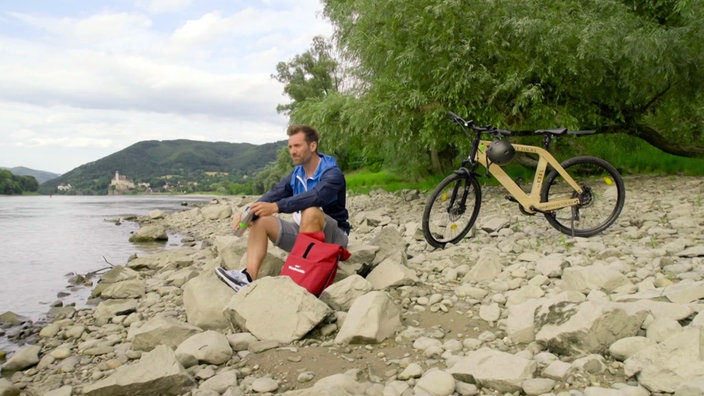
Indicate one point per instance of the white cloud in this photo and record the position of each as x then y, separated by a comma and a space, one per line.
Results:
98, 29
78, 85
202, 30
162, 6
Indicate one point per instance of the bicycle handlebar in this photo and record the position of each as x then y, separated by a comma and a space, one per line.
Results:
489, 130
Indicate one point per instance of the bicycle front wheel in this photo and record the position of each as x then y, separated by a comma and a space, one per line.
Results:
601, 200
451, 209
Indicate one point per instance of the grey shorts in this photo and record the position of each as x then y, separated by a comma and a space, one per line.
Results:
288, 231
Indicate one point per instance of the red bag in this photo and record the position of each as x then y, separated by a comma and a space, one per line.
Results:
312, 263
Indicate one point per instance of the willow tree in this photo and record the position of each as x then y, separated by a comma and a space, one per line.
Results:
617, 66
309, 76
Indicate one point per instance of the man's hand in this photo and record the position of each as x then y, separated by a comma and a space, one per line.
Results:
264, 208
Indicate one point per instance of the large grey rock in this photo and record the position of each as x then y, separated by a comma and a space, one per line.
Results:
691, 387
230, 249
220, 382
340, 295
9, 319
204, 298
392, 272
360, 254
132, 288
25, 357
626, 347
494, 224
7, 388
156, 373
333, 385
276, 309
497, 370
150, 233
107, 309
209, 347
167, 259
436, 383
372, 318
216, 212
665, 366
589, 327
160, 330
597, 276
116, 274
390, 243
66, 390
119, 273
521, 321
694, 251
685, 292
488, 266
552, 265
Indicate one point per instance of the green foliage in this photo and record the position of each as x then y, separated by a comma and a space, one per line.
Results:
272, 174
11, 184
311, 75
41, 176
183, 165
620, 66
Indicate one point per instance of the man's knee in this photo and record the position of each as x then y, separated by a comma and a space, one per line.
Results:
268, 224
312, 219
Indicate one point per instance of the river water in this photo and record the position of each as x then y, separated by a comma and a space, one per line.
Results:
44, 240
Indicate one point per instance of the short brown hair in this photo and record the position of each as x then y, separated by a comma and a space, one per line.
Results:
309, 131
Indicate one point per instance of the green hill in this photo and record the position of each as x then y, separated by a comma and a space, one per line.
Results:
168, 166
41, 176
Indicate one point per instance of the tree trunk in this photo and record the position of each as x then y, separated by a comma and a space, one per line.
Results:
435, 161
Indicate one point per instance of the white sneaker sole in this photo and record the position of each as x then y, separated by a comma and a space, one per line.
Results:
220, 272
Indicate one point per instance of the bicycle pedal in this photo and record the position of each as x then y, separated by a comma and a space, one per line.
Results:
510, 198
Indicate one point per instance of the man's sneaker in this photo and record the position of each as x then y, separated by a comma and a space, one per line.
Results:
233, 278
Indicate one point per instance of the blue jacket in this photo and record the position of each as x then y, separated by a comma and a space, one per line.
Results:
327, 189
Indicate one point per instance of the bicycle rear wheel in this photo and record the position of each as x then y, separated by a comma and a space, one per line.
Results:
601, 201
451, 209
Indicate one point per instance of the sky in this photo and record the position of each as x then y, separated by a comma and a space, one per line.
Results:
82, 79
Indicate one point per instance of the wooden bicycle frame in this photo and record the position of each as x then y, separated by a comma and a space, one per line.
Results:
530, 201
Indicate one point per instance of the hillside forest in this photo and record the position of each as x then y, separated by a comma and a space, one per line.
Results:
170, 166
11, 184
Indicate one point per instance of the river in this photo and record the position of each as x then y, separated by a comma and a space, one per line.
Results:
44, 240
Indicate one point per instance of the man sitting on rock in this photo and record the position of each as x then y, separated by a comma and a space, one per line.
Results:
314, 192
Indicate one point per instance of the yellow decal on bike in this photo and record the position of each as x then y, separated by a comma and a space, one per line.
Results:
608, 181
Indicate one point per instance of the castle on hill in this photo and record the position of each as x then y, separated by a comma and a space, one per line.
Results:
120, 185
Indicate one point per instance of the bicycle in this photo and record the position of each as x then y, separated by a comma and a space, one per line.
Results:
581, 196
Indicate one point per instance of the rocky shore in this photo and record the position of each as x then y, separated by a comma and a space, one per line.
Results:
517, 308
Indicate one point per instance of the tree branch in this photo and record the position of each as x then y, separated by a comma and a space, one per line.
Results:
646, 133
655, 98
657, 140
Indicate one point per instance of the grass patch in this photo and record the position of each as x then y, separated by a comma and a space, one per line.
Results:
363, 181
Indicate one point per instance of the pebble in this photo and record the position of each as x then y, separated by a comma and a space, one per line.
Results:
264, 385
